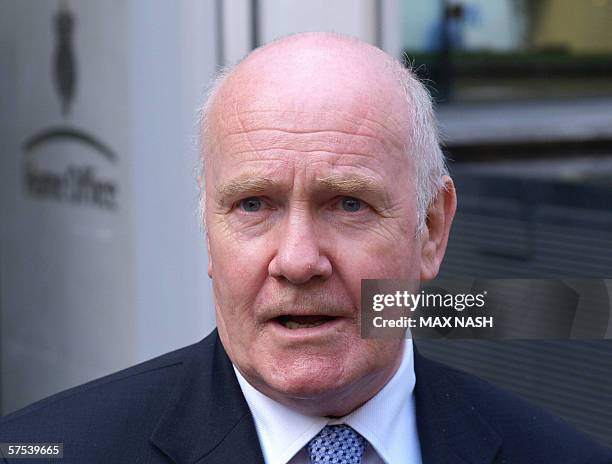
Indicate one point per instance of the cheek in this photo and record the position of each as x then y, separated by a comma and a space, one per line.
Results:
372, 259
379, 259
238, 272
236, 261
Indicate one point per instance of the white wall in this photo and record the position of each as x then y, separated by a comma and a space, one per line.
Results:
236, 30
171, 59
278, 18
355, 18
87, 290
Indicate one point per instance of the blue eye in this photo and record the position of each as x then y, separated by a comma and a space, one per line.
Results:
251, 204
351, 204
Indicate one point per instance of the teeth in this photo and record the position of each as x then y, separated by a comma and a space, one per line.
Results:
298, 325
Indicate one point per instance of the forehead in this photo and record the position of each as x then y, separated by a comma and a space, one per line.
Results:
349, 85
309, 106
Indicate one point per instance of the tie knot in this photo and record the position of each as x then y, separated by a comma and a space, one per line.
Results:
338, 444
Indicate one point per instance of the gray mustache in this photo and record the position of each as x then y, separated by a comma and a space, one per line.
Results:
306, 306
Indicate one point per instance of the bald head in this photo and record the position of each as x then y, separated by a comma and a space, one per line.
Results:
325, 72
318, 70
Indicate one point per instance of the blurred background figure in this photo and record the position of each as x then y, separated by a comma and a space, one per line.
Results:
102, 257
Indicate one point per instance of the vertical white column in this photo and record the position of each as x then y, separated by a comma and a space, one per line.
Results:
67, 277
102, 261
172, 57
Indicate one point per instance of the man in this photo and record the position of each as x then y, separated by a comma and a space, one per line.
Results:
321, 168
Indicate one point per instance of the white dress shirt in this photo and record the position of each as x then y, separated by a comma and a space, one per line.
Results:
387, 421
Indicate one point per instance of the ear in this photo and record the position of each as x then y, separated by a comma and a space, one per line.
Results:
437, 228
209, 257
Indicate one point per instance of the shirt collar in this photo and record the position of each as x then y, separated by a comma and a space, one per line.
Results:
387, 420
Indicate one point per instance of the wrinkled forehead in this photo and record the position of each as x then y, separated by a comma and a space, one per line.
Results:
310, 88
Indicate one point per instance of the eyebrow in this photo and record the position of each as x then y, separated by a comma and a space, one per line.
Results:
351, 184
245, 185
348, 185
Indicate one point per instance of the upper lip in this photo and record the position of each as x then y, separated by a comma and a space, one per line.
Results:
295, 312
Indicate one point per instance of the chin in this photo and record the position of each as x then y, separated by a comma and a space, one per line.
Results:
320, 396
312, 379
325, 379
309, 386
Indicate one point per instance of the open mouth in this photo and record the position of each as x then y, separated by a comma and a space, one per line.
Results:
302, 322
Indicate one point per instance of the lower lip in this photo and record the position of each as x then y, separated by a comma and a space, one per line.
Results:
325, 329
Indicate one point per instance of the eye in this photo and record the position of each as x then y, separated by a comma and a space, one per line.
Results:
251, 204
351, 205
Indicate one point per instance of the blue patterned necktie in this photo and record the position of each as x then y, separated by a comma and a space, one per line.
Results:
338, 444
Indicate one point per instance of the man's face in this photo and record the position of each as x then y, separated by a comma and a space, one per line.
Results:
309, 190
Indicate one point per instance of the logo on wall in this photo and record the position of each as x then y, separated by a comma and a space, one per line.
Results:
65, 163
64, 66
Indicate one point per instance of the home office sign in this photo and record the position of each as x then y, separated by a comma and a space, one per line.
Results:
65, 163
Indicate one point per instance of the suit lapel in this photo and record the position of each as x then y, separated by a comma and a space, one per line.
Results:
207, 419
450, 427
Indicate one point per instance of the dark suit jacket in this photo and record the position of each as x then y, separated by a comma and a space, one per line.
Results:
187, 407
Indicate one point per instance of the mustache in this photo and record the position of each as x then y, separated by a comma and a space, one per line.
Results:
305, 304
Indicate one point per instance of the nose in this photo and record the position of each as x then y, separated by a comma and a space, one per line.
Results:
298, 257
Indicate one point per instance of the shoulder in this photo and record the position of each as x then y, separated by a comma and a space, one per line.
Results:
119, 408
527, 433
